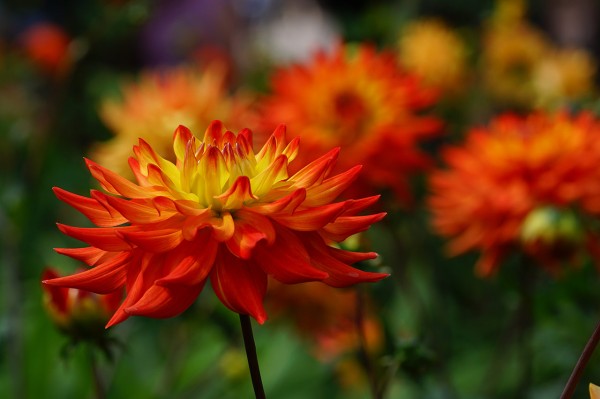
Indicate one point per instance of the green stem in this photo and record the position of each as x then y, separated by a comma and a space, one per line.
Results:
250, 346
99, 390
581, 363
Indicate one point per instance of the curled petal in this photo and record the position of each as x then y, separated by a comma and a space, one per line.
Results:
287, 204
350, 257
314, 172
88, 255
134, 211
250, 228
115, 184
240, 285
102, 279
239, 192
214, 133
181, 138
223, 227
286, 259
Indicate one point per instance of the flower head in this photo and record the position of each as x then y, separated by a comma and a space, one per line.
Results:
362, 101
520, 183
80, 314
434, 52
162, 99
221, 212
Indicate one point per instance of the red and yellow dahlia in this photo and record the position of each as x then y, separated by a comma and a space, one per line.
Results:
161, 99
80, 314
221, 212
362, 101
521, 183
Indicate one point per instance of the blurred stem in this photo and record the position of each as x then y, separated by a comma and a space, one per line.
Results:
99, 389
363, 352
13, 296
250, 346
525, 323
581, 363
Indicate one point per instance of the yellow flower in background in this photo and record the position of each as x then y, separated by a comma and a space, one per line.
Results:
520, 65
159, 100
594, 391
564, 75
434, 52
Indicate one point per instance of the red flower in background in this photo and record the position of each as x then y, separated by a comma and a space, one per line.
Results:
47, 46
80, 314
364, 102
521, 183
221, 212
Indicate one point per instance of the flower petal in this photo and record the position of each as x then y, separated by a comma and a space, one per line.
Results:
286, 259
250, 228
345, 226
161, 302
310, 219
240, 285
102, 279
88, 255
90, 207
154, 241
331, 188
107, 239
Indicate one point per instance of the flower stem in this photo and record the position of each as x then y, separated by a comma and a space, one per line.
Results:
581, 363
259, 391
363, 351
99, 391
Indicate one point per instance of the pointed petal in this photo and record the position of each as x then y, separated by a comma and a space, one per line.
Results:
90, 208
286, 259
115, 184
331, 188
181, 137
275, 172
345, 226
240, 285
340, 274
214, 133
88, 255
314, 172
350, 257
105, 238
102, 279
135, 211
288, 204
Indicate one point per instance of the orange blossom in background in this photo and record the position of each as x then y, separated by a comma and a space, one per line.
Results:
524, 183
362, 101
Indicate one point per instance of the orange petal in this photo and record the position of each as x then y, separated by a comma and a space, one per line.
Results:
340, 274
90, 208
181, 138
58, 296
161, 302
289, 203
240, 285
235, 196
88, 255
350, 257
105, 238
314, 172
345, 226
134, 211
331, 188
102, 279
155, 241
115, 184
310, 219
286, 259
250, 228
214, 133
192, 262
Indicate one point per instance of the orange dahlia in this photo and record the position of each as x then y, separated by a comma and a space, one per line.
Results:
162, 99
80, 314
221, 212
362, 101
521, 183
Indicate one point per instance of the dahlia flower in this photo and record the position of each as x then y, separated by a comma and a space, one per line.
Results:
162, 99
521, 183
80, 314
362, 101
221, 212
